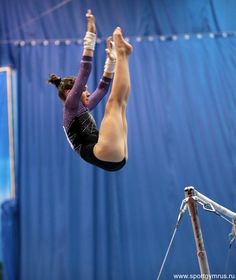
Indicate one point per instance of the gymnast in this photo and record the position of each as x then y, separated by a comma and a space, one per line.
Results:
107, 147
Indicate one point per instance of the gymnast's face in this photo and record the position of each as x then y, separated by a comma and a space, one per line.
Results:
85, 97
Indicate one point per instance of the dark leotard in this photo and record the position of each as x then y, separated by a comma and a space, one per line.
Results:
78, 123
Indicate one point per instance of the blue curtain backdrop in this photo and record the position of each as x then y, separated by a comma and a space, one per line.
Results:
10, 239
79, 222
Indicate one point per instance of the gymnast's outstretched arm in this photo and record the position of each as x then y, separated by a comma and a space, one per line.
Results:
73, 98
109, 69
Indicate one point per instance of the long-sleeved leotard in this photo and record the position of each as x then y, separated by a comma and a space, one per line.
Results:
78, 123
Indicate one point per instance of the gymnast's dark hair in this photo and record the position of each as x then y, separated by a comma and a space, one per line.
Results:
62, 84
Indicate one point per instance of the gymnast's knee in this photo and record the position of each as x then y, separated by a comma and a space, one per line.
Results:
116, 102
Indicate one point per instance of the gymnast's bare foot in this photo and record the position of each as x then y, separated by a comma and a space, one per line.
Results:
121, 45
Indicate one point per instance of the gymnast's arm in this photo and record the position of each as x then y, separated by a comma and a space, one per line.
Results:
100, 91
73, 99
106, 79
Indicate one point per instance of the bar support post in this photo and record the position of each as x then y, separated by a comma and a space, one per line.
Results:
201, 253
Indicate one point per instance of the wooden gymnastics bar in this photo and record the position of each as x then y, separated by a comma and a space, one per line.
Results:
193, 197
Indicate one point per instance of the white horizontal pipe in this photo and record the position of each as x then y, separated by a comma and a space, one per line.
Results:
219, 208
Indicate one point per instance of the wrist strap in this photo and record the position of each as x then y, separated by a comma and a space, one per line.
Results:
110, 62
109, 66
90, 41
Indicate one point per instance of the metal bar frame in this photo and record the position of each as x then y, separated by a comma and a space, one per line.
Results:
201, 253
192, 197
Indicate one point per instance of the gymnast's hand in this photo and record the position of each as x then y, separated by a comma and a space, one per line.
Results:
110, 50
91, 27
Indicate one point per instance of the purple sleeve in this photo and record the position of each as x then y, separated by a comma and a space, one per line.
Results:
99, 93
73, 99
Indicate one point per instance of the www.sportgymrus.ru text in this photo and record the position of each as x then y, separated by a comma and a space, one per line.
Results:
204, 276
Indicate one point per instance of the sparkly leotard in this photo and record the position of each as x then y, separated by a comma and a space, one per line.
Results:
78, 123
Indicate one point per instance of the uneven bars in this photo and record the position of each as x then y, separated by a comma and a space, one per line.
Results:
201, 253
219, 208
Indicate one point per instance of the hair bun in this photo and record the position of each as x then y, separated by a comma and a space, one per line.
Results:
55, 80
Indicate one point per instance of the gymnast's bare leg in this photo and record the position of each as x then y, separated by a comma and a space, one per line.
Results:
112, 142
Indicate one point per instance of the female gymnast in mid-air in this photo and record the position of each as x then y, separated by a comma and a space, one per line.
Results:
106, 147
